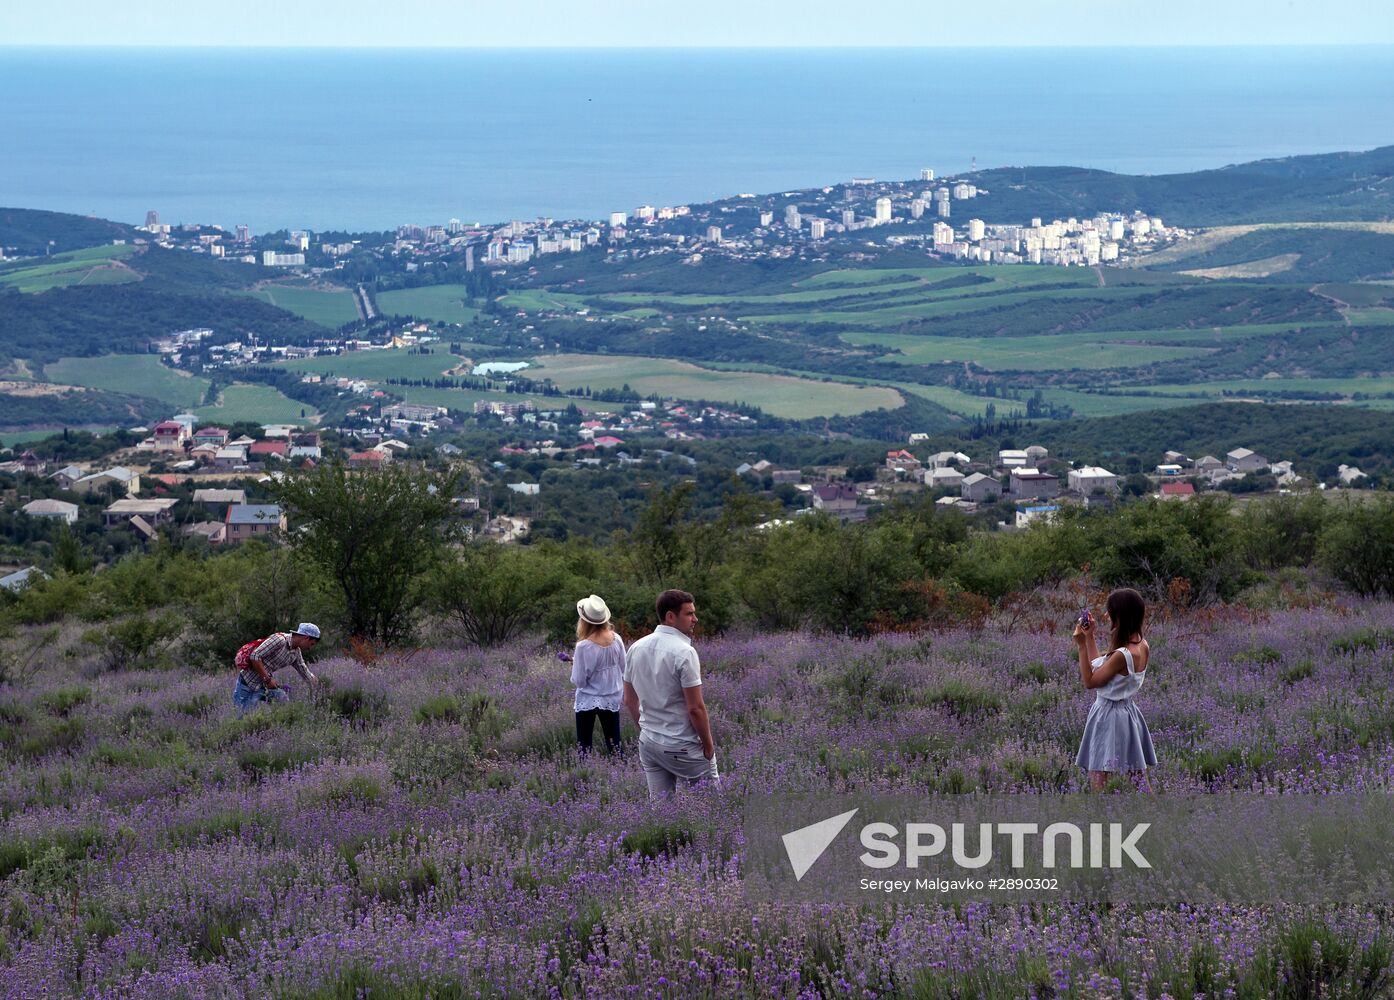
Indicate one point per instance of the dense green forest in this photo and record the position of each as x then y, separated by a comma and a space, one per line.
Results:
124, 319
79, 406
27, 232
1327, 186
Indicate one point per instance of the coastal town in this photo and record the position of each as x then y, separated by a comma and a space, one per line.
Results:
937, 217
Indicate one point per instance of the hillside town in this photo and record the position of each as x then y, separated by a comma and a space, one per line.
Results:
921, 214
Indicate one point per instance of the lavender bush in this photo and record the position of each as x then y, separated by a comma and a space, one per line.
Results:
426, 829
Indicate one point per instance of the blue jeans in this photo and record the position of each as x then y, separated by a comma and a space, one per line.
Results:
245, 699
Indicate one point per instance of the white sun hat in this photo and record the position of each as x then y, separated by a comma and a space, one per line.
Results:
593, 610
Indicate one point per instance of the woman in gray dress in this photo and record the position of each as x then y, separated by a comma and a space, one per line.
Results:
1116, 739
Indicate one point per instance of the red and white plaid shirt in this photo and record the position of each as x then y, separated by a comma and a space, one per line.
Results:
275, 653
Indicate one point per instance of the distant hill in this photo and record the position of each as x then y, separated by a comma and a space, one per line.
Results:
1323, 187
1310, 433
28, 232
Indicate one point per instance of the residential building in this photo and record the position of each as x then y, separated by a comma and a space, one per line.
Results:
1208, 463
151, 512
902, 462
118, 477
1029, 515
1090, 478
263, 451
211, 435
883, 210
231, 457
214, 532
217, 499
254, 520
368, 459
1011, 458
170, 435
66, 476
1244, 460
58, 510
1033, 483
17, 581
980, 488
941, 459
834, 499
943, 476
1176, 491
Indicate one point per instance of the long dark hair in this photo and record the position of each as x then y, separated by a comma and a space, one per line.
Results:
1126, 609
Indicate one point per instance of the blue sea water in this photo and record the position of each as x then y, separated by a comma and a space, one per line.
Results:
362, 139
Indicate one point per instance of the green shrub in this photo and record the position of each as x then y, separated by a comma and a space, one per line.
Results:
137, 641
439, 708
658, 839
963, 699
1298, 672
1258, 654
354, 704
61, 701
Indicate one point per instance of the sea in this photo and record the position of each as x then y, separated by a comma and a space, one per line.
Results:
366, 140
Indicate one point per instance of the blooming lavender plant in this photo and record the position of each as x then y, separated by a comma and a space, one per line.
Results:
450, 842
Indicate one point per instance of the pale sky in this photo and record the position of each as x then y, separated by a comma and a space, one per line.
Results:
698, 23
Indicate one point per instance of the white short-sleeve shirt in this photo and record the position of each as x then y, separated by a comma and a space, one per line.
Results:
660, 666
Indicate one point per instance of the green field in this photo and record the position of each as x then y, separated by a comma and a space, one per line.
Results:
136, 374
328, 308
537, 300
92, 266
779, 395
464, 399
439, 303
1042, 353
376, 365
1340, 386
1372, 316
10, 439
931, 305
259, 403
1003, 276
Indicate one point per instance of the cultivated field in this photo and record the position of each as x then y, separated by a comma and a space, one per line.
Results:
259, 403
328, 308
1064, 351
93, 266
439, 303
376, 365
137, 374
779, 395
426, 829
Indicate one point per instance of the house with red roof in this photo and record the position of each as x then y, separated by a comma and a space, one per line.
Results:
260, 451
1178, 491
170, 435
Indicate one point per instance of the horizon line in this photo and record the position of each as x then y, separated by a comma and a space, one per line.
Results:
662, 46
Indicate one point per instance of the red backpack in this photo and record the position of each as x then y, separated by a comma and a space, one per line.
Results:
240, 661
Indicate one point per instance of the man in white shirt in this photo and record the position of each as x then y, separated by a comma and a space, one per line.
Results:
663, 694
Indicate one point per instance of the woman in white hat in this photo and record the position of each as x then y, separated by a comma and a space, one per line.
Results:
597, 668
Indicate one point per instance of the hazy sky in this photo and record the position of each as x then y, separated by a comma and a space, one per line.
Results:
601, 23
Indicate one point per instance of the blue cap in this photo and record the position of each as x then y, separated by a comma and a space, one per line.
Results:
306, 628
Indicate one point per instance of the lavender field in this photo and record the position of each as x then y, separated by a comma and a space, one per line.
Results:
426, 829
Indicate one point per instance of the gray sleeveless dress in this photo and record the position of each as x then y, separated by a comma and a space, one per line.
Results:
1115, 733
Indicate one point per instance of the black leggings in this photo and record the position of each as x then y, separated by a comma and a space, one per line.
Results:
609, 725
